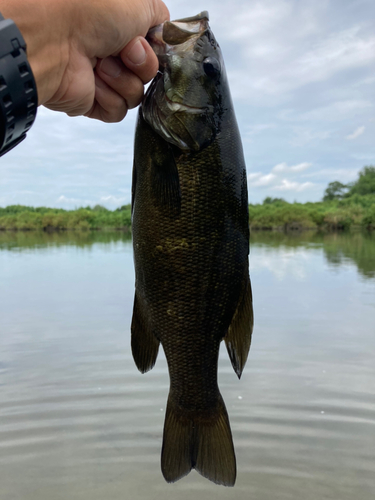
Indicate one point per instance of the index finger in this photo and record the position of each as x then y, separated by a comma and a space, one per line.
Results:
139, 57
160, 13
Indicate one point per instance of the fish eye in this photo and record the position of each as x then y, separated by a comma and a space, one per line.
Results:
211, 67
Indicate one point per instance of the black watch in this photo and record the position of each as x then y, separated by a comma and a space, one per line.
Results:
18, 94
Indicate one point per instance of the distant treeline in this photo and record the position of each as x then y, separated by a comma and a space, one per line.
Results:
343, 206
19, 217
275, 213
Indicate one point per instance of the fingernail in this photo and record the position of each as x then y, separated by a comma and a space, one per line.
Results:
137, 53
111, 67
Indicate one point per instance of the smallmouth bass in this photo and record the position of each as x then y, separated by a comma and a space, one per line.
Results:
191, 245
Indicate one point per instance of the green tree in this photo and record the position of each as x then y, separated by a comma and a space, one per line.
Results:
365, 183
100, 208
270, 201
123, 207
335, 191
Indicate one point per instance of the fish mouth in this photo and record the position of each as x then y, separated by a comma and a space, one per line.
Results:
165, 36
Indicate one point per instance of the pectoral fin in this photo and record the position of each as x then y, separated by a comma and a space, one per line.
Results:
165, 180
238, 338
145, 345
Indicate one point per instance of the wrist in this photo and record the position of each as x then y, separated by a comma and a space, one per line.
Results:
45, 28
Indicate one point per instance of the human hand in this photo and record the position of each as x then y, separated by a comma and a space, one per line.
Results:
89, 57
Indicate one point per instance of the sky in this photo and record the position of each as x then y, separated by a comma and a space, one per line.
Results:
302, 78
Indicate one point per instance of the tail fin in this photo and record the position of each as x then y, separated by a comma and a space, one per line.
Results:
202, 441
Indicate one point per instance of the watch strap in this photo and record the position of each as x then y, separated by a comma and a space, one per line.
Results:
18, 92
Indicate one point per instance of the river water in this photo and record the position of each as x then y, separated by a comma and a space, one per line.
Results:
78, 421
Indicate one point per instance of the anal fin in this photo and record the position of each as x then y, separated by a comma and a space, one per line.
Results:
145, 345
238, 337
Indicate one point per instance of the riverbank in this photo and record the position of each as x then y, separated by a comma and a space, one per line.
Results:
273, 214
355, 211
22, 218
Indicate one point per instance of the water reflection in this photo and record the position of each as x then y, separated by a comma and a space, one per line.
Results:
358, 247
20, 240
339, 249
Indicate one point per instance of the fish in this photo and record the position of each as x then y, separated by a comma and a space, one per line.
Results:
190, 232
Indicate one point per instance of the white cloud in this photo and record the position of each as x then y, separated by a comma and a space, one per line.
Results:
368, 157
273, 180
339, 51
357, 132
286, 185
73, 201
367, 81
337, 110
282, 48
114, 200
264, 180
253, 175
258, 179
255, 19
258, 128
329, 174
304, 136
283, 167
110, 201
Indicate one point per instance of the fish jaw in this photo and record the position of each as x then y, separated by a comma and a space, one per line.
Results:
169, 33
185, 101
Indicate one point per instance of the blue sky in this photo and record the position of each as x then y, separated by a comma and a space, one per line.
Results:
302, 76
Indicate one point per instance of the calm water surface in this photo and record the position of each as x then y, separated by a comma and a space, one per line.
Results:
78, 421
